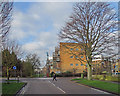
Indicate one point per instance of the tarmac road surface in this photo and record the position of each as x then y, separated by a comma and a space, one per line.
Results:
61, 86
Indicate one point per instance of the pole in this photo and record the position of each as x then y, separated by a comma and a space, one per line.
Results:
15, 74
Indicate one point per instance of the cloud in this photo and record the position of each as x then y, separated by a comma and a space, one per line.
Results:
33, 46
37, 28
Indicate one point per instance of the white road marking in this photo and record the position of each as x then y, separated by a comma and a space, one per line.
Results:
100, 91
57, 87
61, 90
52, 83
45, 78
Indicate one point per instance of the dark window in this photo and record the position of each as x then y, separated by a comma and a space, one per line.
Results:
76, 49
81, 64
71, 64
76, 57
71, 56
81, 56
76, 64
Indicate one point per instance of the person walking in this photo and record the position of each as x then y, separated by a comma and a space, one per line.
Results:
52, 74
54, 77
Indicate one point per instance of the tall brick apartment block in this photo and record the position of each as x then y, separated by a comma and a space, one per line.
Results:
71, 59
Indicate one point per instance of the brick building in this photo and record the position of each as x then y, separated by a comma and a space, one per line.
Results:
69, 57
66, 58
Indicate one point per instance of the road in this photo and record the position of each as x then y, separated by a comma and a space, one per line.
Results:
61, 86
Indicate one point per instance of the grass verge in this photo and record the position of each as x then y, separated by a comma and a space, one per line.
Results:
106, 86
11, 80
11, 89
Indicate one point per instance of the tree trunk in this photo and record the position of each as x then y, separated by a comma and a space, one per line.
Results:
89, 72
7, 75
20, 73
96, 70
110, 72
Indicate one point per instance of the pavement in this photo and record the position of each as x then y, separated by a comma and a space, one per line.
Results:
61, 86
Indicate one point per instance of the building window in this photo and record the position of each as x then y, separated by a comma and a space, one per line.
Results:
102, 63
76, 49
86, 65
71, 64
76, 64
58, 59
58, 53
71, 56
81, 56
81, 49
81, 64
76, 57
71, 49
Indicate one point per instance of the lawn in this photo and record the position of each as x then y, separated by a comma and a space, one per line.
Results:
108, 86
11, 80
10, 89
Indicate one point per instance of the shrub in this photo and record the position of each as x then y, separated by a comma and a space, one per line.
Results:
107, 78
101, 78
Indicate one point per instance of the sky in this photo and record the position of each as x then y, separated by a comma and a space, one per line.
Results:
35, 25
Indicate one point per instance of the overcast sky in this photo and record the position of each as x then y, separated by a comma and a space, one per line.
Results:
35, 25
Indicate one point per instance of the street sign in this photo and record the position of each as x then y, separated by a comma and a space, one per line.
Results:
14, 67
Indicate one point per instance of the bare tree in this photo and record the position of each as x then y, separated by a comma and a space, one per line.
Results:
5, 18
90, 26
13, 46
34, 59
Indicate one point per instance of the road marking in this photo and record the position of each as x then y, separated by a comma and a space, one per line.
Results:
61, 90
57, 87
52, 83
100, 91
45, 78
